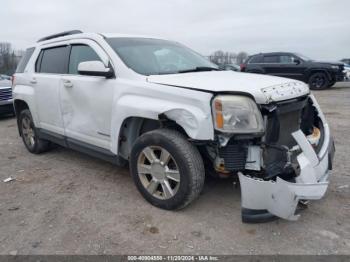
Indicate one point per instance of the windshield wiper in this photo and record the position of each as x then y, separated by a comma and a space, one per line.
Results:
199, 69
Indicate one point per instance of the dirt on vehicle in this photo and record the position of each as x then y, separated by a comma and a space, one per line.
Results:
64, 202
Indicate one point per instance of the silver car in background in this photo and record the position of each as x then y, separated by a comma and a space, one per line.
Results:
347, 72
6, 100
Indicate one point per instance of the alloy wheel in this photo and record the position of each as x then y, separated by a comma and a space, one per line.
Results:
318, 82
158, 172
28, 132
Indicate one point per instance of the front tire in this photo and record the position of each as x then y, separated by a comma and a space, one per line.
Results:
29, 134
167, 170
318, 81
331, 83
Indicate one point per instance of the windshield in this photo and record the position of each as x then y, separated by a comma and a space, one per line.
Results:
148, 56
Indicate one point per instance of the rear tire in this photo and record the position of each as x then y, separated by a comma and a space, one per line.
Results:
318, 81
29, 134
167, 170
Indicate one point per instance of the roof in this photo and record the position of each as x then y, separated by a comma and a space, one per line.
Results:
110, 35
274, 53
74, 34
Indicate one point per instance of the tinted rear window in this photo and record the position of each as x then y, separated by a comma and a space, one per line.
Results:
255, 59
25, 59
54, 60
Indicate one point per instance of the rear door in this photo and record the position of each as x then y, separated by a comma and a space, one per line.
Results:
271, 64
86, 101
51, 64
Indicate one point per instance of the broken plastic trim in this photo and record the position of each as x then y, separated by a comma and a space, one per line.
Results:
281, 198
262, 200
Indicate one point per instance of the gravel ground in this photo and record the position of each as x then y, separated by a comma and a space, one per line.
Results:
64, 202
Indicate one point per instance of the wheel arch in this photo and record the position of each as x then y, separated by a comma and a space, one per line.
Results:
20, 105
318, 70
24, 98
189, 111
133, 127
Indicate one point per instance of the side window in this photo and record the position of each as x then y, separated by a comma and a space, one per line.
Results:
286, 59
78, 54
54, 60
25, 59
255, 59
271, 59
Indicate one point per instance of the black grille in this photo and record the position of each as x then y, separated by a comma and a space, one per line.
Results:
5, 94
234, 155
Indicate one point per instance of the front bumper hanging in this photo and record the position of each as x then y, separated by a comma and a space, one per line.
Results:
265, 200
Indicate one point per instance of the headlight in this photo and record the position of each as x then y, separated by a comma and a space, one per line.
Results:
236, 114
335, 67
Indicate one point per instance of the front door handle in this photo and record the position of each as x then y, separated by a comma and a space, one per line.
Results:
67, 83
33, 81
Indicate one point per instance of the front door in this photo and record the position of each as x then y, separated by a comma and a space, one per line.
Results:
291, 67
86, 101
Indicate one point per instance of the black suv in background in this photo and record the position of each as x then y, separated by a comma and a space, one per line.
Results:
319, 75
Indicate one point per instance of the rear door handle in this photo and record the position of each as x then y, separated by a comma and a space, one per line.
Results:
67, 83
33, 81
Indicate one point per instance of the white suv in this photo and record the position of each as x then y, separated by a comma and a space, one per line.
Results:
174, 117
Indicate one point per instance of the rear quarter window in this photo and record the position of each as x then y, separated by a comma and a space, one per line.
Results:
25, 59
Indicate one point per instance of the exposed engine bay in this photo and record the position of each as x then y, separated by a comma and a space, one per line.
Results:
274, 168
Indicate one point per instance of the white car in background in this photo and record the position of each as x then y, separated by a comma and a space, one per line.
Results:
174, 117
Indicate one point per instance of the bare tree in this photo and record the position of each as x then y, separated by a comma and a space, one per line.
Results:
220, 57
241, 57
5, 48
8, 59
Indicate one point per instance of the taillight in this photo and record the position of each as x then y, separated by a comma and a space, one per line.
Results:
242, 67
12, 81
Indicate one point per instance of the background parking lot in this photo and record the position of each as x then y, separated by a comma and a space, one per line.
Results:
64, 202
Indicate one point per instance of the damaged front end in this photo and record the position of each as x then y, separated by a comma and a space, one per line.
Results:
287, 165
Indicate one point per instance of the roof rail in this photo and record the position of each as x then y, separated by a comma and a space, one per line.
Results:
72, 32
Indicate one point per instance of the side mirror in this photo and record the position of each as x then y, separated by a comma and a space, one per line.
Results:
95, 68
297, 61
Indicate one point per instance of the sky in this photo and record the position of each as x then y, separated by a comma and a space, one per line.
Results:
319, 29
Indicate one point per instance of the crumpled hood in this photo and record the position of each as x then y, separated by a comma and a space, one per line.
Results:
263, 88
